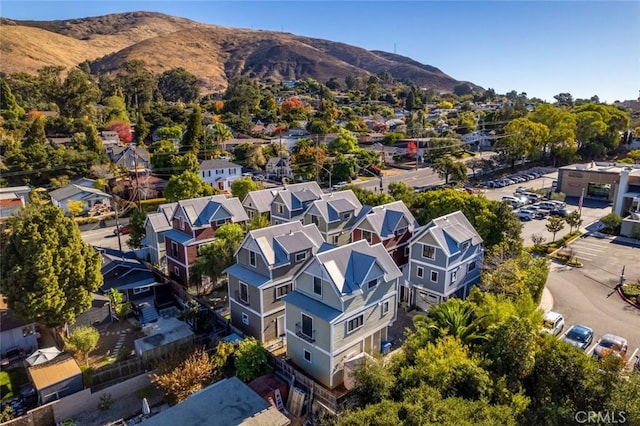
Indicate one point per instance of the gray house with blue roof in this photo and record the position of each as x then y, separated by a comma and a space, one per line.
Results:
445, 260
266, 262
343, 301
290, 203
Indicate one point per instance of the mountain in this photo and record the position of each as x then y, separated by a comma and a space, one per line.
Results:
215, 54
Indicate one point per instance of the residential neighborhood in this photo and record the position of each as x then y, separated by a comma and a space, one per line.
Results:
360, 250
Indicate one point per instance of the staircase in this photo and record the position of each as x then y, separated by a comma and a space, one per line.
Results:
148, 313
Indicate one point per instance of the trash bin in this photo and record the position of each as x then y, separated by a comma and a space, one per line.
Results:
386, 347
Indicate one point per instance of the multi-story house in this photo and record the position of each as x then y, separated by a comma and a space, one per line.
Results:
220, 173
342, 303
266, 261
257, 203
334, 214
155, 225
279, 166
290, 203
194, 224
445, 260
391, 224
131, 157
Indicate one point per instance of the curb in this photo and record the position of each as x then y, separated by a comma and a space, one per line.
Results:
626, 299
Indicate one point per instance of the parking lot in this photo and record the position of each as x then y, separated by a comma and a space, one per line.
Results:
592, 211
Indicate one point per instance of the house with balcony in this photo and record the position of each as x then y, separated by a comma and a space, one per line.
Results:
445, 260
342, 303
391, 224
266, 262
194, 223
220, 173
290, 203
257, 203
334, 214
155, 225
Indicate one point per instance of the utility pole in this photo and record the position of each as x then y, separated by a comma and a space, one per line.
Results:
317, 161
135, 166
115, 206
620, 283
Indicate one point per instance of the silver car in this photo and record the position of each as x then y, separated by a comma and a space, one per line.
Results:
610, 343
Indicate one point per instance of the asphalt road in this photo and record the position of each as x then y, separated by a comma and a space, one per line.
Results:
584, 295
104, 237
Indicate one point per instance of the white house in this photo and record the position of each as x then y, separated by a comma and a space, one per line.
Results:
77, 191
220, 173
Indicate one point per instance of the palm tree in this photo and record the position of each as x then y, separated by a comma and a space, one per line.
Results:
454, 318
220, 133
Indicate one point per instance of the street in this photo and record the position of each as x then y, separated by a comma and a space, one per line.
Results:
104, 237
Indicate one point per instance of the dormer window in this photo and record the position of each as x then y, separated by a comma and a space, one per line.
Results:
182, 223
401, 231
221, 222
346, 216
371, 284
464, 246
314, 219
252, 258
301, 256
428, 252
279, 208
366, 235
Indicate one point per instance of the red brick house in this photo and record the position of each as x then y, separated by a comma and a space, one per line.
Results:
194, 223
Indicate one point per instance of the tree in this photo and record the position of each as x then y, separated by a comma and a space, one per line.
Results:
391, 138
78, 94
48, 272
554, 225
241, 187
136, 225
75, 207
162, 154
525, 138
255, 157
343, 168
123, 129
178, 84
411, 151
84, 339
193, 135
455, 318
369, 198
345, 143
116, 108
138, 84
141, 131
119, 307
612, 221
217, 256
306, 160
217, 133
447, 168
564, 99
9, 108
374, 380
258, 222
561, 141
181, 378
573, 220
186, 185
251, 359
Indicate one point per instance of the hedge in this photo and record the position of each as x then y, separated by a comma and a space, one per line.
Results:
149, 206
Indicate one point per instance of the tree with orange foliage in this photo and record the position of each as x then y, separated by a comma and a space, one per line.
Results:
123, 129
411, 150
218, 107
293, 109
304, 162
33, 115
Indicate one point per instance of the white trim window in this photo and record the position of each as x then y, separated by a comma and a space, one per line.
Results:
307, 356
139, 290
336, 239
420, 272
434, 276
243, 294
300, 257
245, 319
355, 323
428, 252
454, 276
371, 284
283, 290
367, 236
252, 258
279, 208
465, 245
317, 286
384, 308
472, 266
221, 222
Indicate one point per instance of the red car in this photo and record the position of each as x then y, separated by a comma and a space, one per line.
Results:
122, 229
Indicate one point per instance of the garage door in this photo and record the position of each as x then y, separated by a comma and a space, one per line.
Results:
425, 300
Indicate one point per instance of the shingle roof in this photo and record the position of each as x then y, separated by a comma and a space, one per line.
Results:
217, 163
246, 275
200, 211
331, 205
123, 272
73, 189
260, 200
449, 231
349, 265
384, 219
158, 222
294, 195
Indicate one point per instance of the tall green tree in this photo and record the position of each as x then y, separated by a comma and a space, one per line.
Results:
342, 168
178, 84
345, 143
448, 168
84, 339
78, 95
193, 135
217, 256
116, 108
186, 185
9, 108
141, 130
524, 139
138, 84
554, 225
48, 272
214, 135
136, 225
241, 187
561, 141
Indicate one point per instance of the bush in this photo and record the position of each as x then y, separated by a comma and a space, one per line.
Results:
149, 206
631, 290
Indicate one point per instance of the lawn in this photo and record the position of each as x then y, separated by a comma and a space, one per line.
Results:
10, 382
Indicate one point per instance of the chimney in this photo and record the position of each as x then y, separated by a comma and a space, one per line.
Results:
291, 232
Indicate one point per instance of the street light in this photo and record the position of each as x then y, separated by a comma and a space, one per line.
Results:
373, 174
328, 171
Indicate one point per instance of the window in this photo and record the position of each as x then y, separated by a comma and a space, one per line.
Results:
219, 171
244, 293
434, 276
301, 256
428, 252
454, 276
472, 265
355, 323
465, 245
366, 235
182, 224
384, 308
406, 250
174, 249
250, 214
307, 326
401, 231
176, 271
282, 291
139, 290
346, 216
209, 173
221, 222
317, 286
314, 219
420, 272
371, 284
252, 258
230, 171
279, 208
307, 355
245, 319
335, 239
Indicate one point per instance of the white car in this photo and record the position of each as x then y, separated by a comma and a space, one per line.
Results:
610, 343
523, 214
552, 323
339, 185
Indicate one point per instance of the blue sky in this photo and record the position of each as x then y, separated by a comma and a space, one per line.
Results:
538, 47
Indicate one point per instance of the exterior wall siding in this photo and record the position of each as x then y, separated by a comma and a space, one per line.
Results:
322, 328
254, 327
425, 282
373, 320
260, 268
320, 364
270, 327
440, 256
304, 284
253, 292
269, 297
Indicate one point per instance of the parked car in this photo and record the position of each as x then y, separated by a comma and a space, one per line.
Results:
579, 336
532, 197
552, 323
514, 201
524, 215
560, 212
122, 229
339, 185
610, 343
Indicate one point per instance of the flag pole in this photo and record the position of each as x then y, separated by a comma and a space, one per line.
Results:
580, 203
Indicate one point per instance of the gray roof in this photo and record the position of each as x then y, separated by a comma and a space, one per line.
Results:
217, 163
226, 402
277, 242
449, 231
246, 275
385, 218
73, 189
312, 306
349, 265
16, 189
276, 162
294, 195
158, 222
331, 205
117, 153
200, 211
260, 200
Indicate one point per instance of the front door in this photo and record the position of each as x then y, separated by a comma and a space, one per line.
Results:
280, 326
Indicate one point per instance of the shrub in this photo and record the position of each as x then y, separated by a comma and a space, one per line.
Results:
631, 290
149, 206
105, 401
181, 378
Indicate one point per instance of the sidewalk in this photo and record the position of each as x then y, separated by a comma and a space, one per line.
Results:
546, 302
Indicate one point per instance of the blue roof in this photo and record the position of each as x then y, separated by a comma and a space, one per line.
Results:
178, 237
247, 276
312, 306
